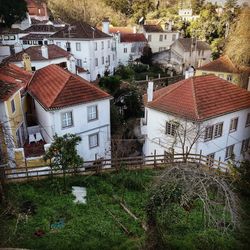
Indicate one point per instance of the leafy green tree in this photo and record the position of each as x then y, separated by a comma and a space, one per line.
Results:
12, 11
146, 57
197, 6
110, 83
62, 154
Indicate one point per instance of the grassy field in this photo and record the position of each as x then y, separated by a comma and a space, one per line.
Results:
35, 206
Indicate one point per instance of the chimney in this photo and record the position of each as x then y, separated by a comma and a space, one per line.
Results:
45, 52
27, 62
150, 91
105, 25
170, 26
71, 64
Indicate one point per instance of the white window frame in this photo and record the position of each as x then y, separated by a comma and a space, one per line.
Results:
67, 119
79, 62
125, 50
92, 112
160, 38
245, 145
248, 120
96, 62
208, 133
233, 124
102, 44
173, 37
229, 152
149, 38
13, 106
93, 140
171, 128
229, 78
218, 130
78, 46
95, 45
108, 44
102, 60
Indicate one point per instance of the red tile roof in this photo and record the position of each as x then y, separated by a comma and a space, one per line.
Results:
223, 64
80, 30
12, 78
200, 98
35, 54
133, 37
55, 88
151, 28
122, 30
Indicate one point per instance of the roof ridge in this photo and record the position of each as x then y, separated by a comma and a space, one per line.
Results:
168, 92
194, 98
63, 85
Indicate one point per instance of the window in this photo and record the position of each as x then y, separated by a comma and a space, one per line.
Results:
245, 145
210, 159
68, 46
229, 77
95, 45
218, 129
133, 49
67, 119
233, 125
92, 113
102, 45
93, 140
35, 42
125, 50
171, 128
149, 38
108, 59
96, 62
161, 38
108, 44
102, 59
25, 42
12, 37
79, 62
209, 133
229, 152
248, 120
173, 37
13, 107
78, 46
6, 38
58, 44
165, 37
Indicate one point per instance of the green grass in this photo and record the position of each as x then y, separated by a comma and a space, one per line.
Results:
87, 226
91, 226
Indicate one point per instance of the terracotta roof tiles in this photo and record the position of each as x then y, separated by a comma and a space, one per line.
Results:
200, 98
134, 37
152, 28
56, 88
35, 54
223, 64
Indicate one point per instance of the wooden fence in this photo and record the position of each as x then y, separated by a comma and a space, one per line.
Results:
109, 165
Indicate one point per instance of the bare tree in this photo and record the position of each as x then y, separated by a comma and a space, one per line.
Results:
186, 187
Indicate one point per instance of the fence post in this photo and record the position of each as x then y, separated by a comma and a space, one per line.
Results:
200, 157
219, 162
155, 159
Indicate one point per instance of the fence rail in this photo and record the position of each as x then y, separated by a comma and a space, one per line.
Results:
108, 165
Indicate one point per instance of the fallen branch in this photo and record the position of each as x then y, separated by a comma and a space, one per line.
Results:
143, 224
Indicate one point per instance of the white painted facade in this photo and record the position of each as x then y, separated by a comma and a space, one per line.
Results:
196, 58
157, 139
95, 55
51, 124
127, 51
187, 15
42, 63
159, 41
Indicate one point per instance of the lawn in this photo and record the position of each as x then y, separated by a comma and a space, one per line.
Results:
35, 206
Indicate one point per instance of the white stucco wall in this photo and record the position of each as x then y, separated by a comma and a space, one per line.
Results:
42, 64
88, 54
156, 139
156, 45
51, 120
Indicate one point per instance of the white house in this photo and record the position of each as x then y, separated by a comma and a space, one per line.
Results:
127, 44
91, 47
187, 15
194, 52
65, 103
158, 38
39, 56
213, 113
